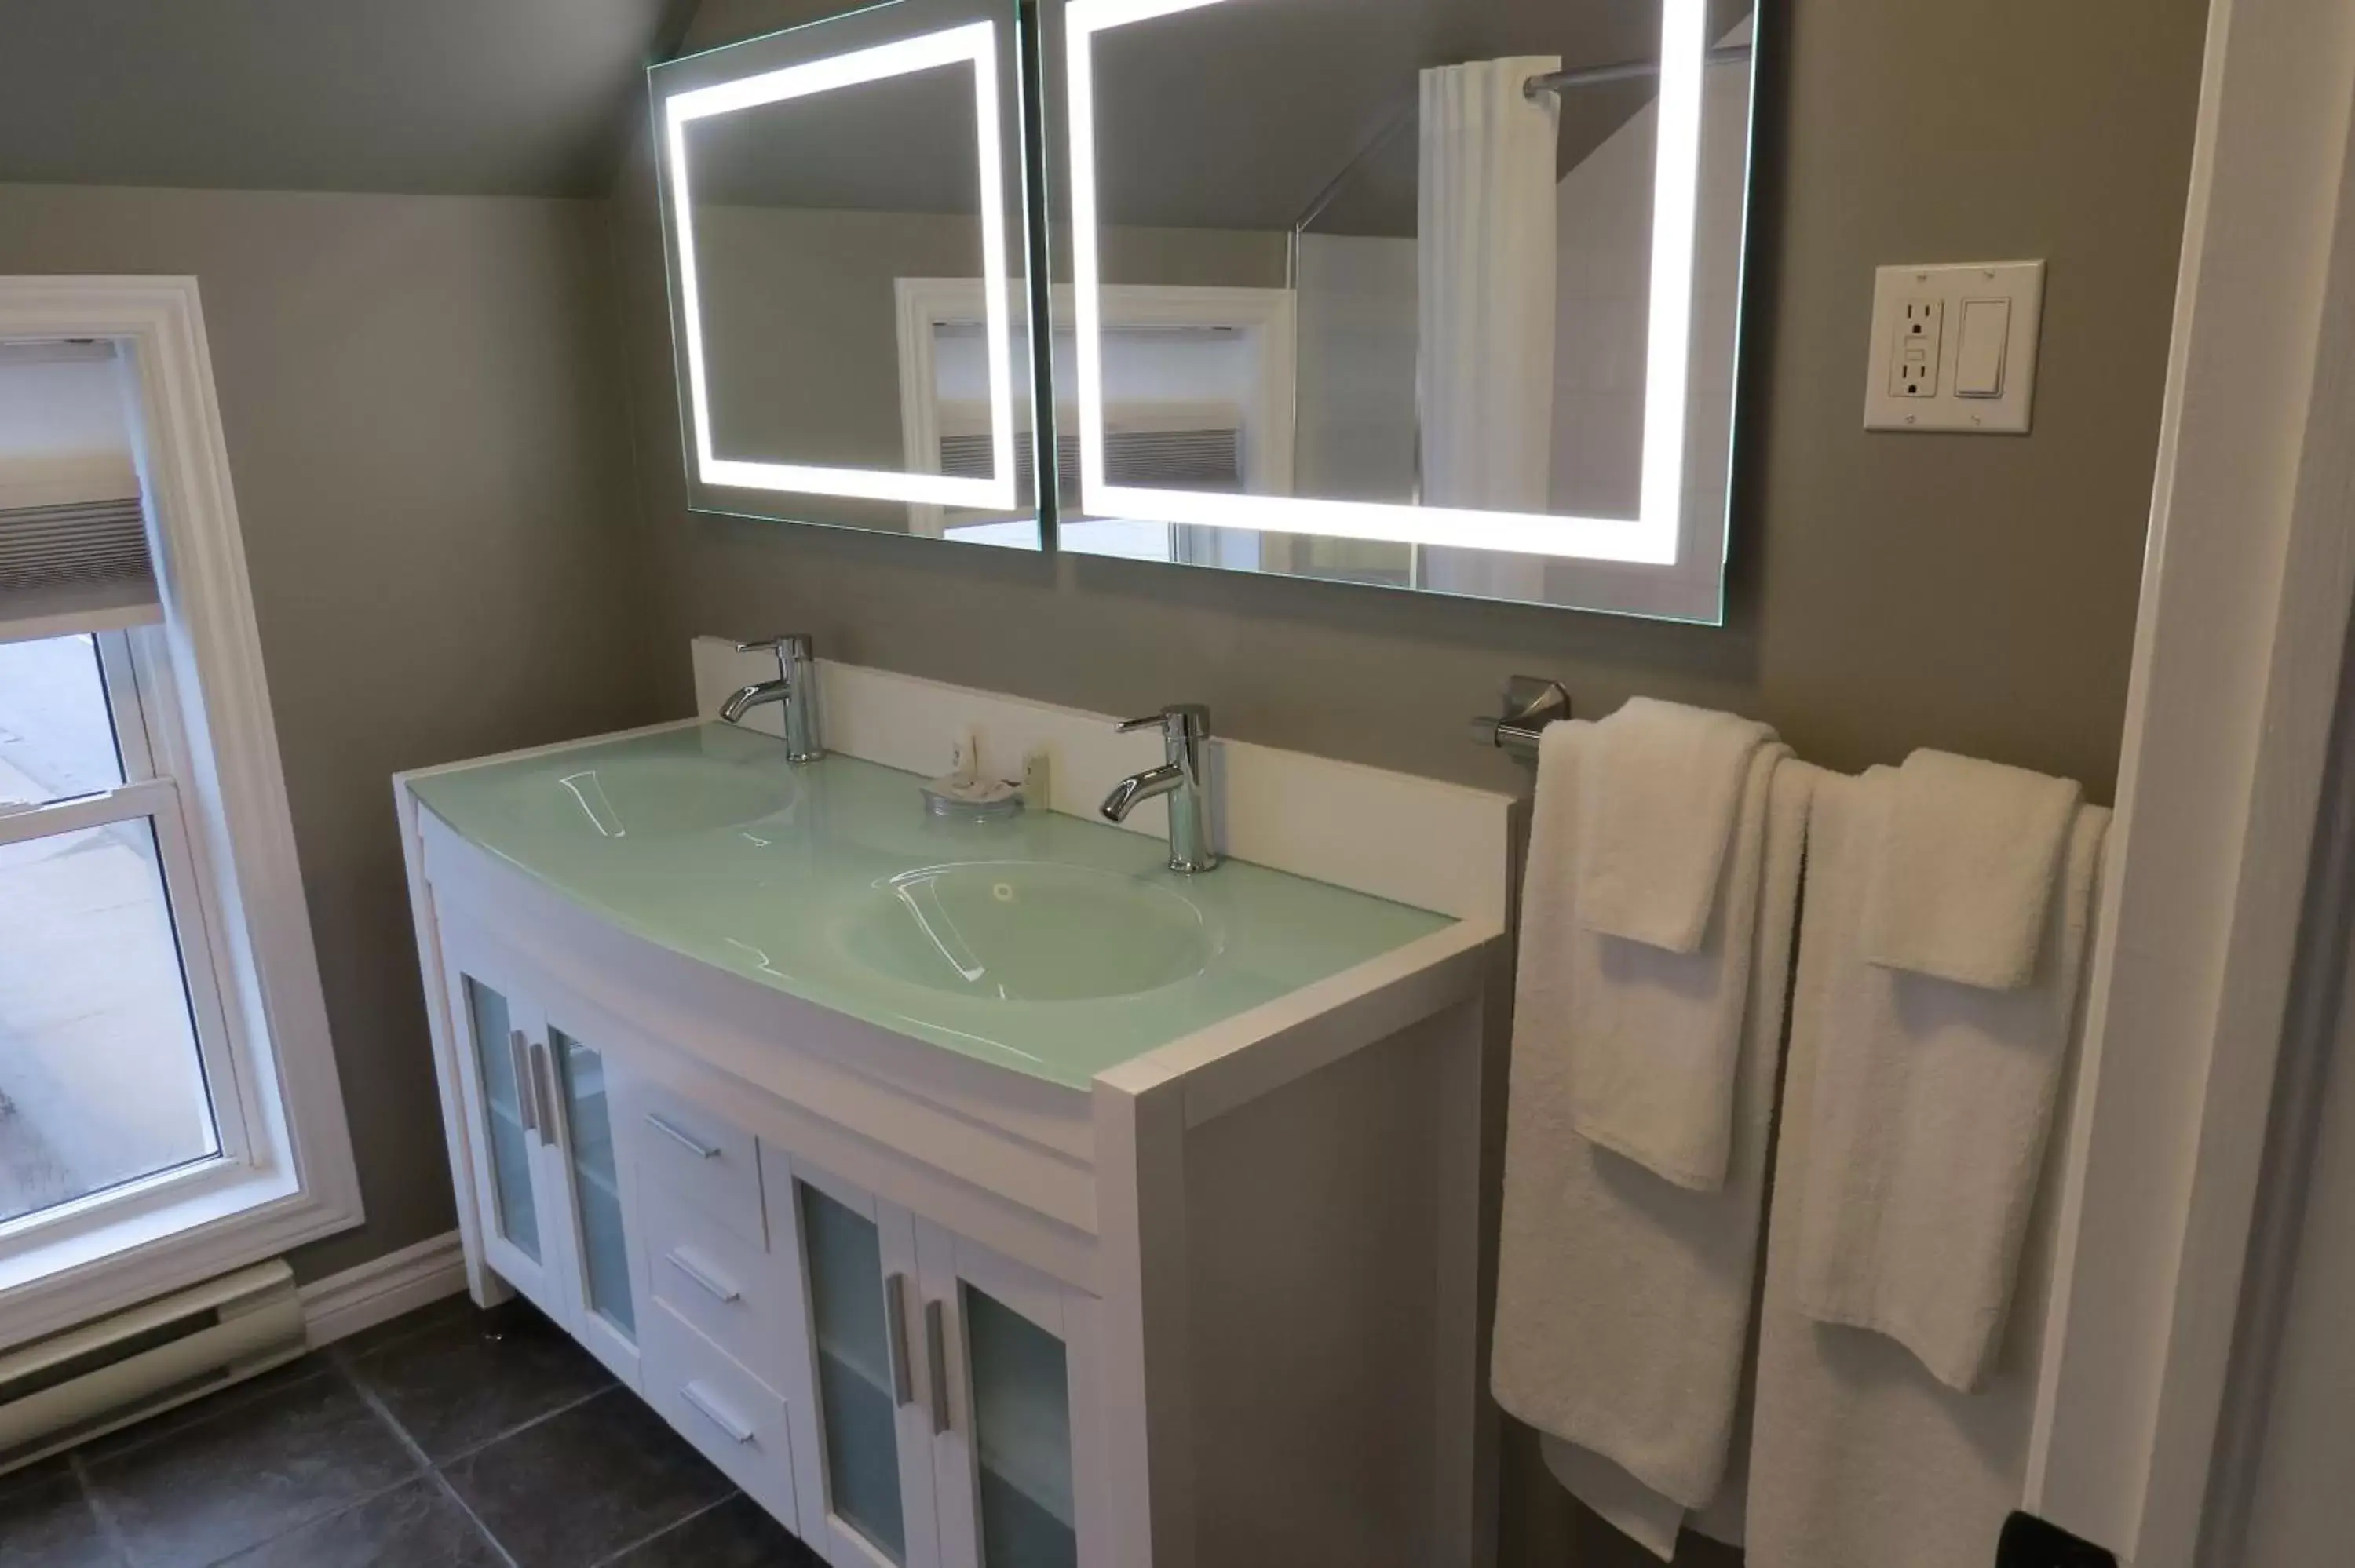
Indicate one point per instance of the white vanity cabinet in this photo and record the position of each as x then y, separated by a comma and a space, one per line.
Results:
1168, 1274
539, 1091
948, 1394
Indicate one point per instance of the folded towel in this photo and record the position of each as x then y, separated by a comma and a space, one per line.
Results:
1931, 1102
1859, 1457
1646, 1038
1667, 783
1624, 1302
1967, 869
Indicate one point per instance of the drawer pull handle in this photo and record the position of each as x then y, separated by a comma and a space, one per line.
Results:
681, 1136
718, 1290
737, 1431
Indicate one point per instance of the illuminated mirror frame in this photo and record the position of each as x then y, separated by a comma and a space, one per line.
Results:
1649, 539
975, 43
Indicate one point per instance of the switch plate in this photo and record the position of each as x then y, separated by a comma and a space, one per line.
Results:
1954, 347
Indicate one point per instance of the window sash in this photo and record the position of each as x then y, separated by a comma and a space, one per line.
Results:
156, 801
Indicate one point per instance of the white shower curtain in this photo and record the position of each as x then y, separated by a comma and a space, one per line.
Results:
1485, 239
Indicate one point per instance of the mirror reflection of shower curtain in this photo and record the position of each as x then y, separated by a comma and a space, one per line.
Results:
1486, 243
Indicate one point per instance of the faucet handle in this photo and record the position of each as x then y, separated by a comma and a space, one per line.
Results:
790, 647
1178, 721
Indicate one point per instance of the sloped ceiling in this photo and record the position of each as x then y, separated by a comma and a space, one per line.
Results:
1231, 117
458, 97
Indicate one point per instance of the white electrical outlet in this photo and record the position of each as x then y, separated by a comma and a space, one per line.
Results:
1954, 347
1914, 357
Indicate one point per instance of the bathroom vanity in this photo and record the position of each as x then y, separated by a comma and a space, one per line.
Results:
984, 1194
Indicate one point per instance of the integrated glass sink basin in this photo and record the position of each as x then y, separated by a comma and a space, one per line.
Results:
653, 797
1049, 945
1029, 931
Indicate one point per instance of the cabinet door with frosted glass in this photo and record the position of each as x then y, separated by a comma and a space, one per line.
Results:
598, 1254
514, 1146
862, 1443
1015, 1402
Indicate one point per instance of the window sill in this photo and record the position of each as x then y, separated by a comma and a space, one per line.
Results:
189, 1226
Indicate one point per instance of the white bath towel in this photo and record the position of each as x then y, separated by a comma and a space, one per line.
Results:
1967, 870
1624, 1301
1930, 1106
1858, 1456
1659, 817
1655, 1034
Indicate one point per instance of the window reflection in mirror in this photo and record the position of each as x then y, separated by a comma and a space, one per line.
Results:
1384, 273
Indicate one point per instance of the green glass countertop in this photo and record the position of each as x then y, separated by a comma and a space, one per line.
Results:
1048, 945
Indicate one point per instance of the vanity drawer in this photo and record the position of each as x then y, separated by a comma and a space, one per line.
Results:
726, 1289
736, 1420
712, 1164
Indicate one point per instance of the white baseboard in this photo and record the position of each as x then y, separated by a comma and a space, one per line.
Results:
383, 1288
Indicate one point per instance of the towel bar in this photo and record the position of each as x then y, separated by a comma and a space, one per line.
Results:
1530, 703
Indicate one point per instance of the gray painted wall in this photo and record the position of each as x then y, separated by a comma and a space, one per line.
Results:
426, 434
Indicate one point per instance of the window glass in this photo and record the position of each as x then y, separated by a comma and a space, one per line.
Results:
57, 736
101, 1081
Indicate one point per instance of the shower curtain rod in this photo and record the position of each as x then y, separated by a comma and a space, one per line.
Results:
1595, 76
1404, 115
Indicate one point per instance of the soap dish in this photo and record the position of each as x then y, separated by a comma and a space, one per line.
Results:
966, 800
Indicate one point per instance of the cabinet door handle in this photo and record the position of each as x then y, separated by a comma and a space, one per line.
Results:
736, 1430
543, 1082
936, 1351
720, 1292
527, 1101
895, 1338
681, 1136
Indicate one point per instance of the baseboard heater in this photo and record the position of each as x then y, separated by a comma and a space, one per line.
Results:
57, 1392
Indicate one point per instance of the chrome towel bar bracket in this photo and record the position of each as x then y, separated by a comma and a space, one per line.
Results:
1530, 704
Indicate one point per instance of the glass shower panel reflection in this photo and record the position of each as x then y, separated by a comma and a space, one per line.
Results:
596, 1181
1022, 1437
856, 1409
496, 1051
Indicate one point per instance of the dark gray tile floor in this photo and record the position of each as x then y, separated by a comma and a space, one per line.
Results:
449, 1439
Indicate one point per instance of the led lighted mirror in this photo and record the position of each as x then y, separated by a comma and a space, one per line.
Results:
1437, 294
842, 203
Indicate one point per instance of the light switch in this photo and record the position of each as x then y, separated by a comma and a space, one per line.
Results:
1954, 347
1978, 358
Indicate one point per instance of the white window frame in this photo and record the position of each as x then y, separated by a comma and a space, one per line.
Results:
286, 1175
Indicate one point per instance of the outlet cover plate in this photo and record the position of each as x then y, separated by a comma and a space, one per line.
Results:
1951, 286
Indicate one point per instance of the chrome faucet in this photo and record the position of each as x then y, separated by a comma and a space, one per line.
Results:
794, 689
1185, 738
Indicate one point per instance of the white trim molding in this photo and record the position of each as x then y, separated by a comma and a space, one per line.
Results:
296, 1179
2236, 671
378, 1291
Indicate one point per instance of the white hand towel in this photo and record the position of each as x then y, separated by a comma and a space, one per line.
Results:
1967, 870
1667, 783
1859, 1457
1931, 1104
1624, 1301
